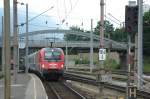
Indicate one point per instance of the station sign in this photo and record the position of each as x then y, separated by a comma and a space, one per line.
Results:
102, 54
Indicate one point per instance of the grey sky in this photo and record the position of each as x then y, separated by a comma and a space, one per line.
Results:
78, 12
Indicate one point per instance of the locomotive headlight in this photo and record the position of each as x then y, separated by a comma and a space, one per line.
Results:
43, 65
62, 66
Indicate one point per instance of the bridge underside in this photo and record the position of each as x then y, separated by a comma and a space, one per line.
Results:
72, 51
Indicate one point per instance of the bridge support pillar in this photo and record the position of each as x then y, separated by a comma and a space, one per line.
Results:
123, 60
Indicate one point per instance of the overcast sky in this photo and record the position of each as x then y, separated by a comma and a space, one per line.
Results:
77, 12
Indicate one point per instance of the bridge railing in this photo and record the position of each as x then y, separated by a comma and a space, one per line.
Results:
43, 43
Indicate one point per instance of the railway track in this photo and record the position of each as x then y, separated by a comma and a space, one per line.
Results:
61, 90
86, 70
143, 94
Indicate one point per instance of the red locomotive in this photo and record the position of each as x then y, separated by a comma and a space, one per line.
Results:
48, 62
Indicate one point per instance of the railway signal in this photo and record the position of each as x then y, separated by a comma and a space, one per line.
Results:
131, 26
131, 19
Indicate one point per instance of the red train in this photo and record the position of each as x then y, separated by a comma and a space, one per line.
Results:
48, 62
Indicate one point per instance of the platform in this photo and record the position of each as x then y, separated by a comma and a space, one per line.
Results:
28, 86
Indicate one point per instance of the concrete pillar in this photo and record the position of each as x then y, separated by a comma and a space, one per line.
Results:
123, 60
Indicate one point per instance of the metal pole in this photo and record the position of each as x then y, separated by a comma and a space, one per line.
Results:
131, 87
26, 38
7, 49
66, 55
91, 47
15, 40
18, 54
3, 45
135, 57
101, 72
102, 25
129, 67
66, 62
109, 49
140, 43
102, 30
47, 42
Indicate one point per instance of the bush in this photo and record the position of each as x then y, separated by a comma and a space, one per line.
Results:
78, 61
1, 76
146, 64
111, 64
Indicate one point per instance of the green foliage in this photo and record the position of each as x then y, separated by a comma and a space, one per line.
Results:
146, 35
147, 17
73, 37
119, 35
146, 64
115, 34
147, 68
108, 28
78, 61
111, 64
1, 75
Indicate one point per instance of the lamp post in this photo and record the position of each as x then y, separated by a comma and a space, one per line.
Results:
3, 46
15, 40
91, 47
26, 60
16, 52
6, 40
140, 43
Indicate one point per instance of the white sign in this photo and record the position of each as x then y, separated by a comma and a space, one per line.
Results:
102, 54
21, 45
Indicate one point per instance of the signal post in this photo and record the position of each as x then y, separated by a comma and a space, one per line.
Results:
131, 27
101, 71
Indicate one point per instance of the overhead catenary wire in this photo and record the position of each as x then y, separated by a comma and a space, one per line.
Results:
114, 17
58, 11
21, 12
65, 8
38, 15
67, 15
112, 20
41, 26
105, 10
73, 7
70, 4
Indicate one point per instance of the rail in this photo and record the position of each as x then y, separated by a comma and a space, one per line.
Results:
62, 90
92, 81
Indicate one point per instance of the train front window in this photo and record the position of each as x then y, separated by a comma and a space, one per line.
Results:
52, 56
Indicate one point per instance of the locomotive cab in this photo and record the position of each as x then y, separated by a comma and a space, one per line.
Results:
48, 62
52, 62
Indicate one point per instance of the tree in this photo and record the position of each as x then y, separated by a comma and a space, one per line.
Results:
119, 35
146, 33
108, 28
73, 37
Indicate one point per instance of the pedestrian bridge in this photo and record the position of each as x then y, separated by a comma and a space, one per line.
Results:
86, 44
43, 43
